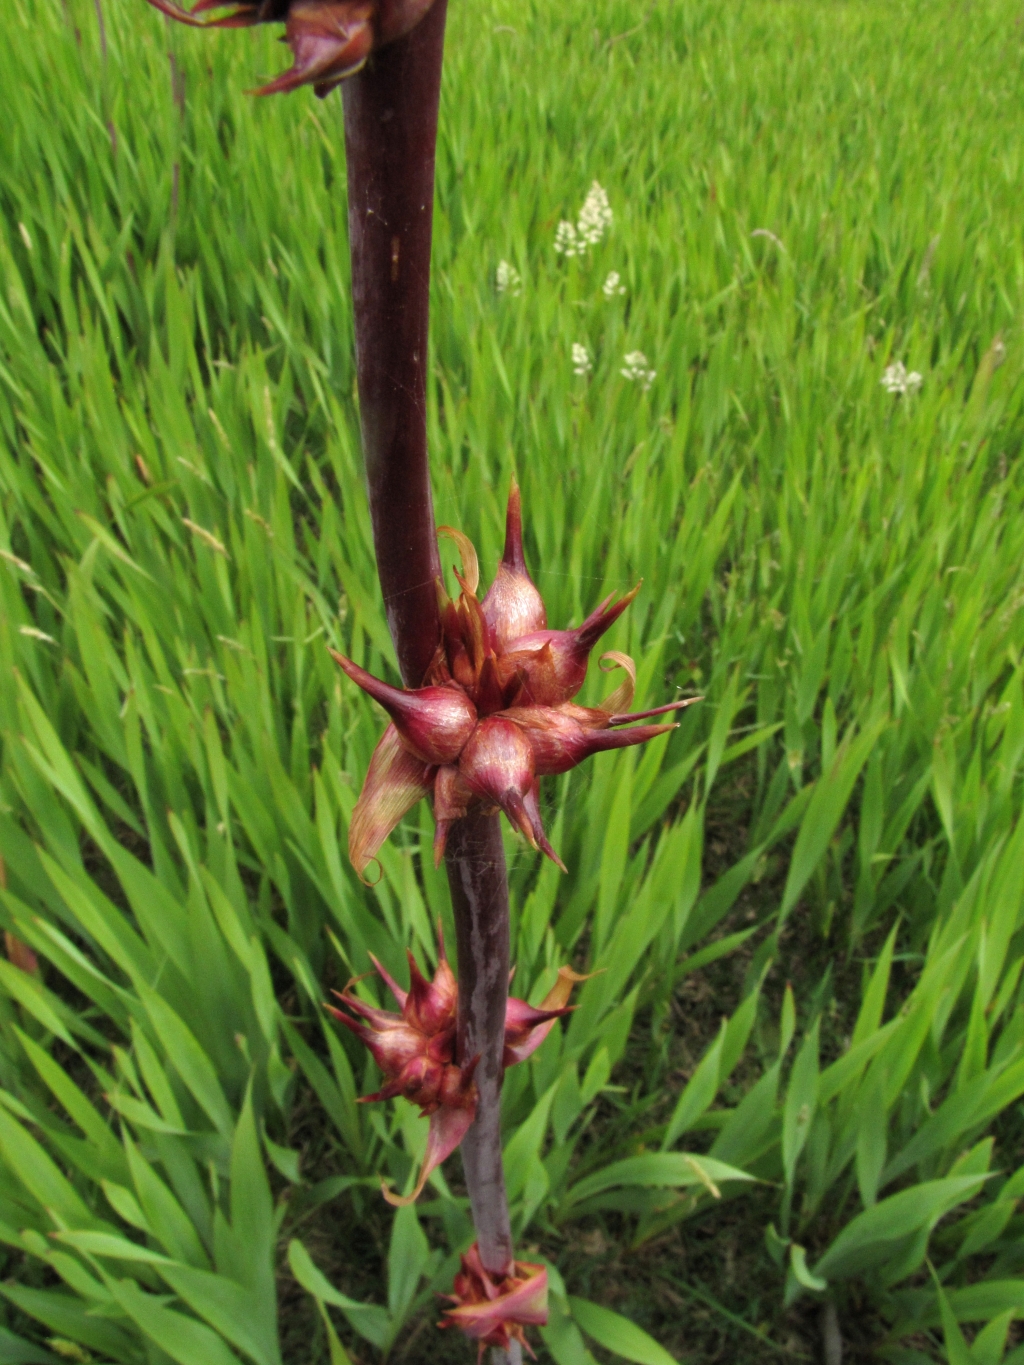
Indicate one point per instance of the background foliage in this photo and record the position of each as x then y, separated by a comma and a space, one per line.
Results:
802, 195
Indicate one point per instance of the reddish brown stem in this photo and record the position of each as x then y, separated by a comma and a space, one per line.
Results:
475, 862
390, 137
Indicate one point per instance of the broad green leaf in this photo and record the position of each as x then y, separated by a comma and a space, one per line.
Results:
698, 1093
183, 1338
369, 1320
827, 804
408, 1257
15, 1350
872, 1232
801, 1102
617, 1334
658, 1169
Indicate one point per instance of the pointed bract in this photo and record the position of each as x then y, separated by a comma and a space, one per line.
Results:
553, 663
513, 607
526, 1027
416, 1049
497, 766
449, 1124
434, 722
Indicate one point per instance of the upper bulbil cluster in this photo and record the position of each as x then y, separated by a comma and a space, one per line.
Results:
496, 711
329, 39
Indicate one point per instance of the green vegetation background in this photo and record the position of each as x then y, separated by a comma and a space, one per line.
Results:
808, 900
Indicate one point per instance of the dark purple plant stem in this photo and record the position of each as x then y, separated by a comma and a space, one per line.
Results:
390, 138
475, 863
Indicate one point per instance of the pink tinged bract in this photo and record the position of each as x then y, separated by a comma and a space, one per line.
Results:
434, 722
497, 766
553, 663
526, 1026
449, 1124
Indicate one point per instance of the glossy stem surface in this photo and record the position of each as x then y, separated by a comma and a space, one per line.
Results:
390, 139
475, 862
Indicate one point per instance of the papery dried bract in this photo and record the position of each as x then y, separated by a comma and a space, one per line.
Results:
20, 954
395, 781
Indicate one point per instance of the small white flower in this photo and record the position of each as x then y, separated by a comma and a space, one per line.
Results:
581, 361
635, 368
566, 241
611, 286
897, 379
507, 279
595, 216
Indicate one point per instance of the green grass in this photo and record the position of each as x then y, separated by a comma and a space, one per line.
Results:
838, 570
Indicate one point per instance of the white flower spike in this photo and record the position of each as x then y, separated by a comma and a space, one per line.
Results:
507, 279
581, 361
897, 379
594, 221
635, 368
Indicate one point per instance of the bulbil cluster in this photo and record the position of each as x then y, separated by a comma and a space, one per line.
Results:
493, 1310
496, 712
329, 39
416, 1049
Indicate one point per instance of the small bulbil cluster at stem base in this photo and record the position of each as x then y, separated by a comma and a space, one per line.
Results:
329, 39
493, 1311
415, 1049
495, 713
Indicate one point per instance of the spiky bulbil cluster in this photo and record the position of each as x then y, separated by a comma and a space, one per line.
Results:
496, 712
493, 1310
416, 1049
329, 39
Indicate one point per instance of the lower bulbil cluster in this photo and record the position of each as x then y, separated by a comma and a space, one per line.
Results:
416, 1049
496, 711
494, 1309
